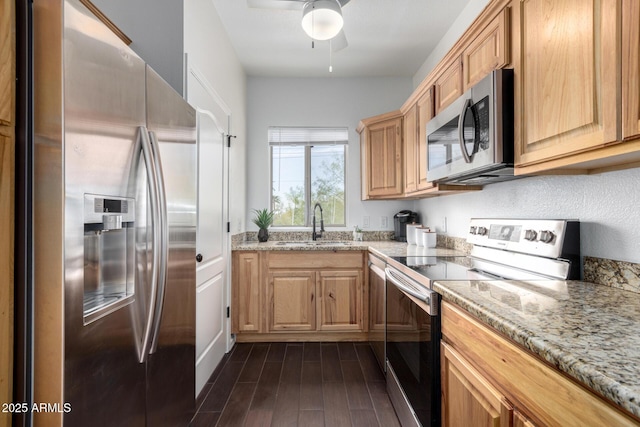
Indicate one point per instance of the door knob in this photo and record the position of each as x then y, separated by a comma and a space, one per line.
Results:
199, 257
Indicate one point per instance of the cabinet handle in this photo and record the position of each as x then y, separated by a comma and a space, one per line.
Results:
199, 257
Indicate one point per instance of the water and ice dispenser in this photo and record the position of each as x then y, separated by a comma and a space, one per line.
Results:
109, 254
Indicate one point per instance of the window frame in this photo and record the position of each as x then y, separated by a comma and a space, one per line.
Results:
308, 214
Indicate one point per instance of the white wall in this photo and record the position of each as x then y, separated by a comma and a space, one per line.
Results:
319, 102
155, 28
210, 51
607, 205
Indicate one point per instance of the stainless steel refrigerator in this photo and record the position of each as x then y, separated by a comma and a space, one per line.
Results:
106, 264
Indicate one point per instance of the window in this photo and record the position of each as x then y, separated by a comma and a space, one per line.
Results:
307, 167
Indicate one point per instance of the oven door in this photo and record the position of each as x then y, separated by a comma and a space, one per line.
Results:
412, 350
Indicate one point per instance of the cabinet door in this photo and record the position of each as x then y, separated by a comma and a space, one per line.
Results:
410, 124
565, 77
7, 62
384, 159
488, 51
448, 85
246, 304
630, 69
467, 398
520, 420
425, 113
291, 303
340, 301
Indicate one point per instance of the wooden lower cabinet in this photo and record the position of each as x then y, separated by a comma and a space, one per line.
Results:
295, 295
487, 377
340, 300
291, 303
467, 397
248, 313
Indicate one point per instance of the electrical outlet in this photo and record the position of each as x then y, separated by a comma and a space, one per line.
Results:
384, 222
444, 224
366, 222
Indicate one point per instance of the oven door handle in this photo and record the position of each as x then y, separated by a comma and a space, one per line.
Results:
426, 297
463, 147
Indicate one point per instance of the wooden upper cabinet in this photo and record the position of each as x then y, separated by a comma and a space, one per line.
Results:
448, 86
488, 51
381, 151
410, 122
565, 56
340, 300
630, 69
425, 113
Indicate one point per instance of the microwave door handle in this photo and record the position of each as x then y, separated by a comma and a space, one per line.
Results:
461, 140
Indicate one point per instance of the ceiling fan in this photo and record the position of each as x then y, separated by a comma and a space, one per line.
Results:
321, 19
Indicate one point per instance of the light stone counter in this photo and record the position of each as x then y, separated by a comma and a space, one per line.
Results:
381, 248
591, 332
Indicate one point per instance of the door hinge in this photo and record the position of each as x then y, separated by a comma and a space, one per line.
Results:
229, 139
228, 227
228, 311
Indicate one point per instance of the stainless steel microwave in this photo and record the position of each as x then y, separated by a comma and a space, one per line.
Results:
471, 141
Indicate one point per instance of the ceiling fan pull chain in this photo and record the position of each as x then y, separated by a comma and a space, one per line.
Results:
330, 57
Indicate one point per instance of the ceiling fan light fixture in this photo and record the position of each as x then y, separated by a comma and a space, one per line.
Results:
322, 19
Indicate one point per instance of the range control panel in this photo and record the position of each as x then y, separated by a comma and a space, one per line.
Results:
547, 238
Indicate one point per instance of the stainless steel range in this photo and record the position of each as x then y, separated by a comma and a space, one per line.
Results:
540, 250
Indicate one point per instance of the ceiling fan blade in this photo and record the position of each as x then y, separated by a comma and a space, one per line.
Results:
276, 4
339, 42
343, 2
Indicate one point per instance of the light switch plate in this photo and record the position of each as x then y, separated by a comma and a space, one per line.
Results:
384, 222
366, 222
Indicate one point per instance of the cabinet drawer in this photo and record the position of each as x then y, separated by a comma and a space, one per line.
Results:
315, 259
551, 398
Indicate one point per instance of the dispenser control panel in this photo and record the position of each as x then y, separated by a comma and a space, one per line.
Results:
99, 209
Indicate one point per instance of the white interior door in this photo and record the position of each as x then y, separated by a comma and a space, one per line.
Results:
212, 241
210, 247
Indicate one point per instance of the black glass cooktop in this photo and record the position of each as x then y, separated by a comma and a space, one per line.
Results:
439, 268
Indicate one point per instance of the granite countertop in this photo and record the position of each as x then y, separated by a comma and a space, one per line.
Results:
588, 331
382, 248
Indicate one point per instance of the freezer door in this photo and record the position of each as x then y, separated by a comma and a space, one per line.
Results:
104, 213
171, 366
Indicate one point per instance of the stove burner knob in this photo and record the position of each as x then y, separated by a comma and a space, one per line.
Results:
547, 236
481, 231
472, 230
530, 235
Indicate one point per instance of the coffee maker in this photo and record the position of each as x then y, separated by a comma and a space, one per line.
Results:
400, 221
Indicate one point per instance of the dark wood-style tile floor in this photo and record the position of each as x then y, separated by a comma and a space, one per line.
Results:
296, 384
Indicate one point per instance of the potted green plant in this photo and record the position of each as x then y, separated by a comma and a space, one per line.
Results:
263, 218
357, 233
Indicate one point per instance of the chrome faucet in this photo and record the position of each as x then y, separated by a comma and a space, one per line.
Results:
315, 234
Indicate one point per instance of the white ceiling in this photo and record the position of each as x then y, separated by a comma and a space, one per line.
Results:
386, 38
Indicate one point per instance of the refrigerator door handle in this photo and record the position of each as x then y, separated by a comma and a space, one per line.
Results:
152, 182
164, 243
